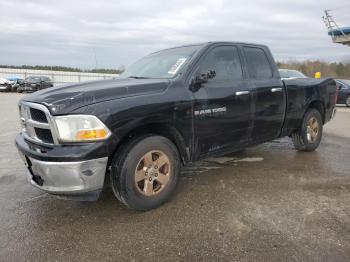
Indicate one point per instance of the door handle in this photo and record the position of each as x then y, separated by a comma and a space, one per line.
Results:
239, 93
277, 89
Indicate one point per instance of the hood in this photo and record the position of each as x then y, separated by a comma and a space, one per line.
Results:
3, 81
67, 98
31, 82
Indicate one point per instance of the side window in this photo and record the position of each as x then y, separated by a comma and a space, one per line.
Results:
224, 60
258, 64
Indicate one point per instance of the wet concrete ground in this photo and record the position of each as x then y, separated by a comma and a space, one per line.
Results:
267, 203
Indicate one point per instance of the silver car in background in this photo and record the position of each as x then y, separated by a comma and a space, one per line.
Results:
290, 74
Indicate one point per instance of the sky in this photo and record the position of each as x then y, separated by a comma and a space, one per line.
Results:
111, 34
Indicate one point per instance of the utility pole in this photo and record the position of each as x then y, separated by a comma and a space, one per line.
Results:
94, 50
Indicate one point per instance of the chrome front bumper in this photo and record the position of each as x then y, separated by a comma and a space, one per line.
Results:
67, 178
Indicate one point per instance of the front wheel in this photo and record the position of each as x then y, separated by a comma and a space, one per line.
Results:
145, 172
309, 135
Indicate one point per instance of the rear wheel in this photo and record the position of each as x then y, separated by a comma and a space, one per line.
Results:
347, 102
309, 135
145, 172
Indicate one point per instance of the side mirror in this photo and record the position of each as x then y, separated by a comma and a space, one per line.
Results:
201, 79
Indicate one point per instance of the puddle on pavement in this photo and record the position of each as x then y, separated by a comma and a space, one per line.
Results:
216, 163
235, 159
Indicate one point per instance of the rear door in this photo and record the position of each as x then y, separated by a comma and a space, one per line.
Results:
269, 99
222, 107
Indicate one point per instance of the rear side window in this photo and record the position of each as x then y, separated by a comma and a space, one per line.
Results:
258, 64
224, 60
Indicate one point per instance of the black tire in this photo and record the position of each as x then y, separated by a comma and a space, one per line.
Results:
300, 137
125, 164
347, 101
13, 89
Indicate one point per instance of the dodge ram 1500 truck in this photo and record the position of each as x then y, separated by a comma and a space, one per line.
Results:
169, 108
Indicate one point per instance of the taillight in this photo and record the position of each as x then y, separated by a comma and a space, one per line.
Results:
337, 88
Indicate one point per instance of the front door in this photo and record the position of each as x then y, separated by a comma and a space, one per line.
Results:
222, 107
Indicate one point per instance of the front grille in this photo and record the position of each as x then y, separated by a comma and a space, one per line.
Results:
44, 135
36, 120
38, 115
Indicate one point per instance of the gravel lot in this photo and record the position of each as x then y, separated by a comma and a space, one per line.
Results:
267, 203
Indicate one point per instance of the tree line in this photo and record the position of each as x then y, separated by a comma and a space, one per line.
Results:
309, 68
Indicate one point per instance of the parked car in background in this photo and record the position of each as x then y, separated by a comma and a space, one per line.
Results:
291, 74
4, 85
14, 83
343, 91
10, 84
35, 83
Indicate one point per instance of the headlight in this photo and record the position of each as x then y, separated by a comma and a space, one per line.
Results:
80, 128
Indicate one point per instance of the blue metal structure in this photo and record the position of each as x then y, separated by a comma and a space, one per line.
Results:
14, 78
340, 35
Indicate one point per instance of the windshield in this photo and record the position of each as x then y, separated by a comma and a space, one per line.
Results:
33, 78
162, 64
291, 73
346, 82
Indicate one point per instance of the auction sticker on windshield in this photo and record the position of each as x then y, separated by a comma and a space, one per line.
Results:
177, 66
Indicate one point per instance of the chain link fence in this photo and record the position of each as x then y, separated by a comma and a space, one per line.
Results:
57, 77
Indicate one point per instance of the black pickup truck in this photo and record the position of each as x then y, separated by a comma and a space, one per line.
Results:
169, 108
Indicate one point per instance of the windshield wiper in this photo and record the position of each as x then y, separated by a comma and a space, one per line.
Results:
139, 77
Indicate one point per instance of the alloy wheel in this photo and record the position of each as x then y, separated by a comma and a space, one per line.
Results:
312, 130
152, 173
348, 101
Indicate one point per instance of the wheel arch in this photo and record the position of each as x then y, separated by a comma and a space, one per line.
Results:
319, 106
162, 129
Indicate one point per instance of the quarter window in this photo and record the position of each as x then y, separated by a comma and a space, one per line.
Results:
258, 64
